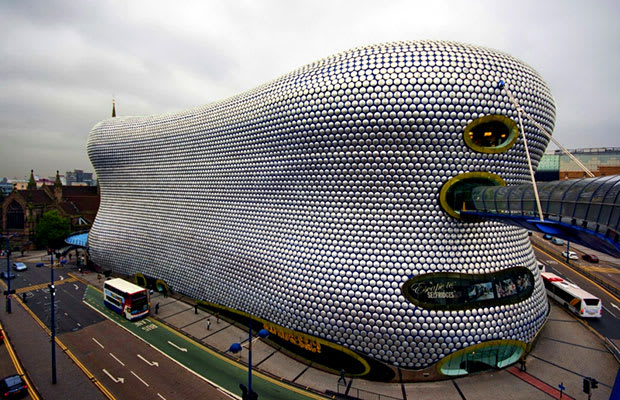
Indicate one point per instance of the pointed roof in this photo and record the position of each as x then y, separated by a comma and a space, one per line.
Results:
32, 184
58, 183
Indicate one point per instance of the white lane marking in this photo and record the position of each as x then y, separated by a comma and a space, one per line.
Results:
210, 382
100, 345
155, 363
140, 379
62, 278
76, 286
615, 306
119, 361
161, 397
180, 348
116, 380
226, 393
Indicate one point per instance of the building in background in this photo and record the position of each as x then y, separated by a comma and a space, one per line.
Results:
601, 161
22, 208
6, 187
79, 178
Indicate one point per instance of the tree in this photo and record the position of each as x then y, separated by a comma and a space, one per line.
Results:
52, 230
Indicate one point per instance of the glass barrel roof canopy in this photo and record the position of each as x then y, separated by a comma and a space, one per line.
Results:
584, 211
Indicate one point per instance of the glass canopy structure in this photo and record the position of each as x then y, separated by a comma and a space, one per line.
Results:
583, 211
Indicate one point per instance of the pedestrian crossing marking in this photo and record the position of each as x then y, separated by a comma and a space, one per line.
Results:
44, 285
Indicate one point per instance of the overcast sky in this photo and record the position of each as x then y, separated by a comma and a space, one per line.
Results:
62, 62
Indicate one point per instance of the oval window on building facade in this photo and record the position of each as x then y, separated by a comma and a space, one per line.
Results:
457, 291
491, 134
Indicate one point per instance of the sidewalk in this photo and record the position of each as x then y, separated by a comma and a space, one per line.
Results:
34, 351
565, 353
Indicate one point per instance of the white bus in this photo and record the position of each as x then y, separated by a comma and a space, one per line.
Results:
127, 299
572, 296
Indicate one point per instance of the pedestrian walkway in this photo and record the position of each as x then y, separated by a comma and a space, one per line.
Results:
566, 352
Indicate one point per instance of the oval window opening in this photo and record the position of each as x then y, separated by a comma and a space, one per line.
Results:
491, 134
456, 194
460, 291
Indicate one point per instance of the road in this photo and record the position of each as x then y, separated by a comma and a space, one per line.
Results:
609, 324
132, 369
127, 366
8, 368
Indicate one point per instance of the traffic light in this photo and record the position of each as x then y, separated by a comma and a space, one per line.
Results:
586, 385
593, 383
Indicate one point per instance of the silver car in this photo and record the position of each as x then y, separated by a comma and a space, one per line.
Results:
20, 266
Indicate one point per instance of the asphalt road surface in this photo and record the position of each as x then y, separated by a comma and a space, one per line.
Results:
609, 324
125, 365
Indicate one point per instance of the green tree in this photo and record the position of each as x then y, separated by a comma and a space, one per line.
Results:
52, 230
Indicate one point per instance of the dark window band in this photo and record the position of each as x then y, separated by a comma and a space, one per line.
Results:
456, 291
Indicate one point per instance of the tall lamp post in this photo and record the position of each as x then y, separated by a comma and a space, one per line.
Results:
248, 394
53, 321
8, 271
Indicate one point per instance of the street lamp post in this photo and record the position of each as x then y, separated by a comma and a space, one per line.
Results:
53, 322
8, 271
236, 347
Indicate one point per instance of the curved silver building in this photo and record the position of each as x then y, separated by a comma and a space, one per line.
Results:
325, 204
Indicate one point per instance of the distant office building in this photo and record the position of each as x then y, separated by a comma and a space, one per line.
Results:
20, 185
6, 187
79, 178
601, 161
548, 168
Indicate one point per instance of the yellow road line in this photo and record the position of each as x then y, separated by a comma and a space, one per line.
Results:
18, 366
576, 271
44, 285
66, 350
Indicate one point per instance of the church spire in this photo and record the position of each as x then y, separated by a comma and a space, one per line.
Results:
113, 108
58, 183
32, 184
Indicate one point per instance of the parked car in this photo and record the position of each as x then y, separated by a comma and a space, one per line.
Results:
4, 276
557, 241
546, 236
13, 386
20, 266
590, 257
571, 254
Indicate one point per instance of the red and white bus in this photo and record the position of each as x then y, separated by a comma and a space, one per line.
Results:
572, 296
127, 299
